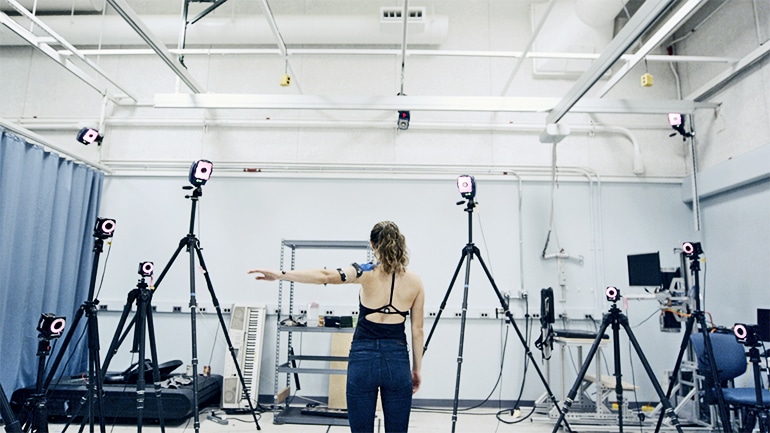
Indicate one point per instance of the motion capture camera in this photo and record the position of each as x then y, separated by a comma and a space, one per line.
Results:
200, 172
89, 136
104, 228
50, 326
146, 269
748, 335
466, 185
692, 249
612, 293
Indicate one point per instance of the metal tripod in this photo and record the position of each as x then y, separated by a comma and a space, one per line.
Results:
700, 317
95, 390
617, 319
192, 245
469, 251
11, 423
144, 325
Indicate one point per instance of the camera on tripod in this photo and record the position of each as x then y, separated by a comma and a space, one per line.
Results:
50, 326
612, 293
146, 269
466, 185
692, 249
748, 335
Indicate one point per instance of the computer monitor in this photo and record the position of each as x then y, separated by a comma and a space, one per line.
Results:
644, 270
763, 323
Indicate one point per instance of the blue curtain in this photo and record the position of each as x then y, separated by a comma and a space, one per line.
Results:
48, 207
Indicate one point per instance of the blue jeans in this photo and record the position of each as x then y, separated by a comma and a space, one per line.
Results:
379, 365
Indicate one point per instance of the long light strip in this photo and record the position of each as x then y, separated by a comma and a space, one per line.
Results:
663, 32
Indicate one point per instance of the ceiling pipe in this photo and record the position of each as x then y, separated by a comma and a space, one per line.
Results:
638, 162
247, 30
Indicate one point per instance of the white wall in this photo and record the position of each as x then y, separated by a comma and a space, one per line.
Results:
242, 221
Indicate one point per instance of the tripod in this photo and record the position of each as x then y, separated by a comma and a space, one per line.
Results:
11, 423
759, 413
703, 328
37, 418
141, 295
192, 245
94, 395
617, 319
469, 251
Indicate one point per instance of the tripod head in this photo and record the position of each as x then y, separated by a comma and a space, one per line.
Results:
197, 191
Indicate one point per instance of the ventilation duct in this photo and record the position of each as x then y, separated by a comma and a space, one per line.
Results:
573, 26
252, 30
49, 6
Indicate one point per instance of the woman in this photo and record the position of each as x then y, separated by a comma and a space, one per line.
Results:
379, 357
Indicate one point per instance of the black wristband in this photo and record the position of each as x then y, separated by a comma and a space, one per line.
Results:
342, 274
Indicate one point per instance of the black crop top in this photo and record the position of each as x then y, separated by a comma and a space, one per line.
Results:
386, 309
366, 329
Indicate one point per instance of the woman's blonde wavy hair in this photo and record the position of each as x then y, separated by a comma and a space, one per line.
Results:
389, 247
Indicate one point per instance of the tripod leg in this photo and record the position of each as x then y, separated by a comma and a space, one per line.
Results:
141, 321
462, 340
522, 339
191, 241
618, 374
582, 373
155, 367
11, 423
444, 301
117, 339
663, 399
675, 374
95, 378
223, 326
723, 414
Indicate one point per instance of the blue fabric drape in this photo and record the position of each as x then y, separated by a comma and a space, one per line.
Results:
48, 208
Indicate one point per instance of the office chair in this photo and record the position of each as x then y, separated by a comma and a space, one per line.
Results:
730, 359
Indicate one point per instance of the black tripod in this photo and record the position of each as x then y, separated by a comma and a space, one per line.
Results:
11, 423
693, 250
617, 319
759, 414
36, 418
192, 244
142, 320
468, 253
104, 229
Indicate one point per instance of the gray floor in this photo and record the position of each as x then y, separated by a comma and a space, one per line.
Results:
479, 420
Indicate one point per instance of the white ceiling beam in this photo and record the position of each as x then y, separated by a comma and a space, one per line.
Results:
720, 81
46, 49
644, 17
22, 10
673, 23
133, 20
419, 103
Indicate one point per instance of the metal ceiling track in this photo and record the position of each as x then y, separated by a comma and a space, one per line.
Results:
641, 21
133, 20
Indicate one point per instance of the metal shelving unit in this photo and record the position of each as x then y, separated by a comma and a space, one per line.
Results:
282, 412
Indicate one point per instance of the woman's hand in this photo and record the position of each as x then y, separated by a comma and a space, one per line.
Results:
266, 274
416, 381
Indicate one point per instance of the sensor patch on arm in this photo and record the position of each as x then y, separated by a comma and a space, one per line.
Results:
360, 269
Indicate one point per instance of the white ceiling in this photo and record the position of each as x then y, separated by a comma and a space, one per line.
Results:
73, 32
